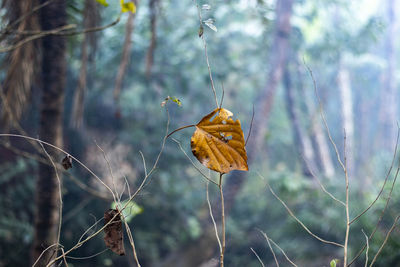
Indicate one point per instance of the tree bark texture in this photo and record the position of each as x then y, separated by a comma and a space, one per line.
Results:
53, 83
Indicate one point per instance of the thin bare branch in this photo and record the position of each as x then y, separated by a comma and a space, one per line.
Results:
270, 247
63, 151
180, 128
384, 182
36, 36
44, 251
385, 241
323, 115
87, 257
117, 198
366, 253
297, 219
380, 217
144, 163
194, 165
212, 218
347, 207
60, 208
206, 54
283, 252
130, 237
320, 183
64, 258
251, 126
222, 221
258, 257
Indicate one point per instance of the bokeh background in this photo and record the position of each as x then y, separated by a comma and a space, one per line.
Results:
260, 55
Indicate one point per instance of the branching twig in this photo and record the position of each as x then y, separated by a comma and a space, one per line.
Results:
194, 165
36, 36
60, 208
323, 115
386, 239
384, 182
380, 217
298, 220
282, 251
320, 183
270, 247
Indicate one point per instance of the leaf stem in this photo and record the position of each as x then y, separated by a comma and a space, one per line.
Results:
181, 128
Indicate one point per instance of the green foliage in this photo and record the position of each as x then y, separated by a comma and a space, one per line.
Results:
132, 209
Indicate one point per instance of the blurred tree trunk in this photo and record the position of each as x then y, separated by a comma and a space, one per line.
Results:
344, 85
389, 94
21, 63
300, 139
90, 19
126, 54
318, 136
153, 42
53, 83
278, 53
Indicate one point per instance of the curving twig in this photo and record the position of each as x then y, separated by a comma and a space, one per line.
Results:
297, 219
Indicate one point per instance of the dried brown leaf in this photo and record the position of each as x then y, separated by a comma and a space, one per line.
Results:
113, 232
218, 142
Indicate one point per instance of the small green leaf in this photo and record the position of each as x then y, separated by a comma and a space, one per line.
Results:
177, 101
172, 98
131, 210
129, 6
102, 2
334, 262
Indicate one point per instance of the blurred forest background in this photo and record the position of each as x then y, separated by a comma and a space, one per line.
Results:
105, 87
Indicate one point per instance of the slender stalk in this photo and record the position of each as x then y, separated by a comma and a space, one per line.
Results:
346, 239
180, 128
222, 220
206, 54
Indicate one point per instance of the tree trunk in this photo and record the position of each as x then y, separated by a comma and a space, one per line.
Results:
53, 83
126, 54
300, 139
22, 62
389, 98
90, 19
279, 53
318, 136
153, 41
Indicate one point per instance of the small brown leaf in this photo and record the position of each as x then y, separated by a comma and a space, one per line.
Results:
113, 232
218, 142
67, 162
